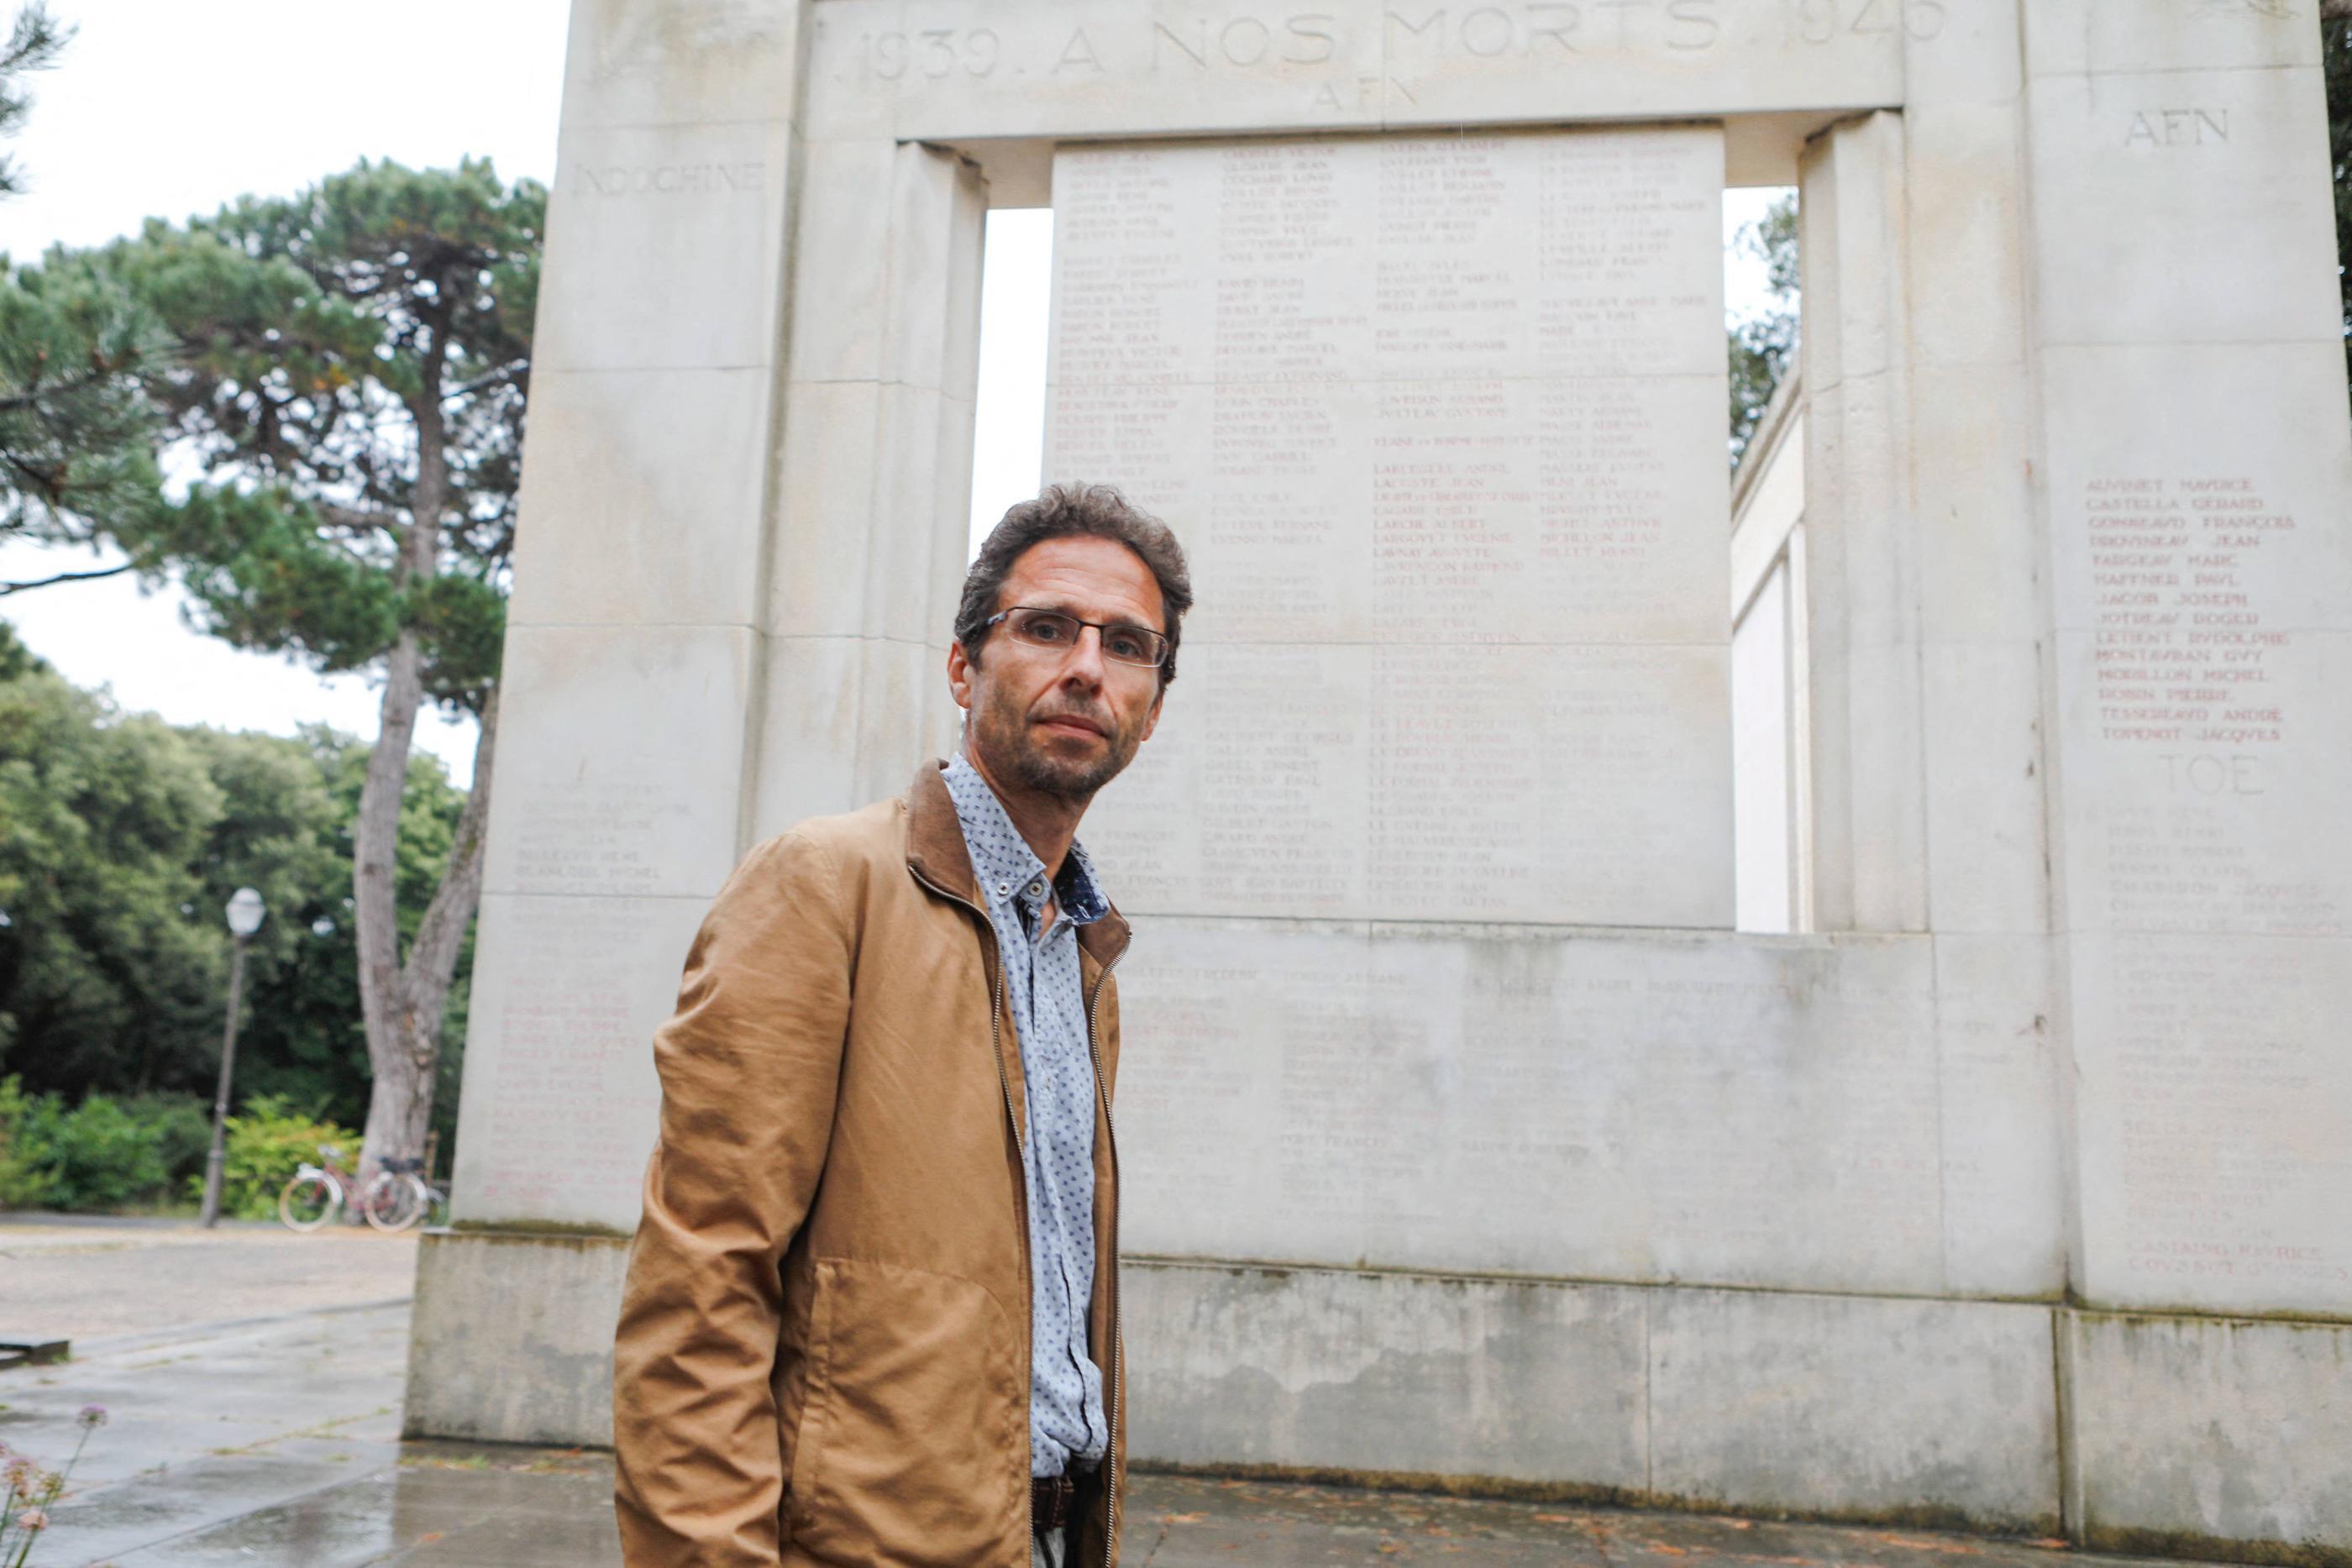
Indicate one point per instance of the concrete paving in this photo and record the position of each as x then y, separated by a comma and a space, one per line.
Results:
274, 1444
77, 1277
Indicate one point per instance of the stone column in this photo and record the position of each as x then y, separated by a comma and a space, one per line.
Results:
874, 476
635, 646
2196, 485
1862, 565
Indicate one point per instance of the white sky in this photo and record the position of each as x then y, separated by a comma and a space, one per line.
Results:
170, 108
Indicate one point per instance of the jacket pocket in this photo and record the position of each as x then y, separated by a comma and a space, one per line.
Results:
914, 1442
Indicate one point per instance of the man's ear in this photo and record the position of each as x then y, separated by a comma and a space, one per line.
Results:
960, 676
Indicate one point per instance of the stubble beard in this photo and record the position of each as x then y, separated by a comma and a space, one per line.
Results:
1002, 737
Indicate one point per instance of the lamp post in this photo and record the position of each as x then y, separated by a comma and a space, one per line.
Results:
245, 913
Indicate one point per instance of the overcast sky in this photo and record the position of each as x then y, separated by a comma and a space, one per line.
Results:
169, 108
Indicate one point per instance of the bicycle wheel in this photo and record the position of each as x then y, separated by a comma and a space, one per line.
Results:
308, 1201
393, 1202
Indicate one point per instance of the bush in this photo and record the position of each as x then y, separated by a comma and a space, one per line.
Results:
99, 1155
182, 1128
23, 1182
104, 1153
264, 1146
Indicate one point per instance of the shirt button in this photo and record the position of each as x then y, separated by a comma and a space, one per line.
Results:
1004, 887
1037, 889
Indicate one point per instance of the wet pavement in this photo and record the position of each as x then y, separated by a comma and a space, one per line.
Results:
273, 1444
80, 1277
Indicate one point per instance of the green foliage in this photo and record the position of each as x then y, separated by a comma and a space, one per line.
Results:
324, 345
22, 1184
34, 43
120, 840
264, 1147
104, 1153
1764, 346
95, 1156
107, 977
76, 428
77, 431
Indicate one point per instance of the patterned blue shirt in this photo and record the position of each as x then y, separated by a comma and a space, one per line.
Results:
1047, 1006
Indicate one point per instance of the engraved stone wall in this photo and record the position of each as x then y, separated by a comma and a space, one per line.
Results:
1438, 419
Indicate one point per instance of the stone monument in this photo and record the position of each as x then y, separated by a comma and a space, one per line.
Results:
1464, 1138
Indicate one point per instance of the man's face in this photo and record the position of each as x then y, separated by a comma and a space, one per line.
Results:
1063, 721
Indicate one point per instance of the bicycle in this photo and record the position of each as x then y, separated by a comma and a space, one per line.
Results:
411, 1197
315, 1193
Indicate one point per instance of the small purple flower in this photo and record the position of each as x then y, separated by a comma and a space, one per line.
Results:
92, 1415
31, 1520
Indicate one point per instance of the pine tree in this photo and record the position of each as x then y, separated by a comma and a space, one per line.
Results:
347, 376
75, 431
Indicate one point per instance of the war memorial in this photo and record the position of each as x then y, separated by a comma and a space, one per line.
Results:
1466, 1142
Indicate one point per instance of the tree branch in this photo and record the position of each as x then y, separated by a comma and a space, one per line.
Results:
515, 372
2335, 10
8, 588
359, 519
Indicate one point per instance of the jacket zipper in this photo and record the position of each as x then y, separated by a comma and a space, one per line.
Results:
1020, 1142
1117, 1381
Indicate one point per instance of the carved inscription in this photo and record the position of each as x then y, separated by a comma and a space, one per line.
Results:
566, 1093
976, 70
2207, 685
2159, 128
1824, 22
2231, 1146
608, 837
746, 177
1436, 417
2202, 685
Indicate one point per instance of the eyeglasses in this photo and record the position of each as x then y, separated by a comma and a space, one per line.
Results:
1052, 629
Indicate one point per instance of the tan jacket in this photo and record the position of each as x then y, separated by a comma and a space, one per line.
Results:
823, 1355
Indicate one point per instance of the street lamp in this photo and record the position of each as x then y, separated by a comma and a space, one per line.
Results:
245, 913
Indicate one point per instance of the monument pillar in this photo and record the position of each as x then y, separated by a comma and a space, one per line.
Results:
874, 471
636, 642
2195, 483
1860, 564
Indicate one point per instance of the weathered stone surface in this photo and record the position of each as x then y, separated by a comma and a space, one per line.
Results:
1719, 1110
633, 537
1931, 1411
561, 1100
2201, 1436
621, 751
1752, 1399
1312, 1368
511, 1340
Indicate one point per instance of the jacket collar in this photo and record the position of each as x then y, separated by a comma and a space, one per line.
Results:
937, 854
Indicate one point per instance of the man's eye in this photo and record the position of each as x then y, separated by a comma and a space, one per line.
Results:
1124, 646
1048, 629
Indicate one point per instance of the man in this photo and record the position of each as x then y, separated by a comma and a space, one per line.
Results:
872, 1309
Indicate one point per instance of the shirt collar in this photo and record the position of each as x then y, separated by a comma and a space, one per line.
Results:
1003, 862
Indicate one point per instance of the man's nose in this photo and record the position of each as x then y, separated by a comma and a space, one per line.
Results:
1083, 665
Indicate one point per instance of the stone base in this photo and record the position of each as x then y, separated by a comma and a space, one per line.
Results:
2207, 1436
2213, 1436
1922, 1412
511, 1339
